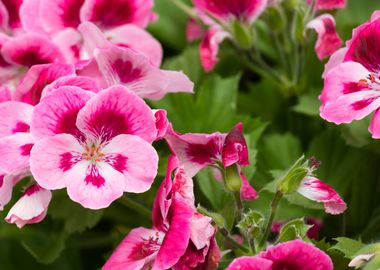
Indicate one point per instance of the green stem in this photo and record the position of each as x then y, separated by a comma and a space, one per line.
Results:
135, 206
233, 242
276, 200
185, 8
239, 204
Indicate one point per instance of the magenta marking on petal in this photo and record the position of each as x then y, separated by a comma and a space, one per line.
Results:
145, 248
117, 161
21, 127
70, 14
109, 13
26, 148
361, 104
33, 57
68, 160
13, 7
1, 180
31, 190
93, 177
352, 87
126, 72
203, 153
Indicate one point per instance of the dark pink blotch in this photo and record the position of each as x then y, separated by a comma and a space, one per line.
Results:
204, 153
93, 177
126, 72
1, 180
26, 148
21, 127
68, 160
32, 189
70, 14
117, 161
361, 104
352, 87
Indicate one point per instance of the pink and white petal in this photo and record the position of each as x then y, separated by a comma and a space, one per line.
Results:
89, 68
194, 31
209, 47
116, 111
111, 13
60, 14
201, 230
7, 182
247, 192
4, 17
52, 158
94, 186
177, 237
343, 79
195, 151
15, 152
5, 94
335, 59
316, 190
83, 82
250, 263
30, 16
93, 37
328, 39
135, 158
359, 260
235, 148
136, 251
329, 4
14, 117
137, 39
374, 126
351, 107
297, 254
124, 66
30, 88
57, 112
162, 123
31, 207
69, 41
31, 49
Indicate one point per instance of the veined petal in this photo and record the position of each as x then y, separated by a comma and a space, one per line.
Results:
316, 190
201, 231
135, 158
328, 39
124, 66
31, 207
57, 112
116, 111
177, 237
14, 117
94, 186
52, 158
235, 148
30, 88
31, 49
13, 8
209, 47
57, 15
30, 16
111, 13
137, 251
69, 42
250, 263
7, 182
335, 59
15, 153
162, 123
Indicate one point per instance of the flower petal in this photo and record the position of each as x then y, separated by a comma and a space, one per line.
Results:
316, 190
31, 207
135, 158
7, 182
51, 159
30, 88
247, 192
250, 263
335, 59
209, 47
69, 42
235, 148
329, 4
374, 126
13, 8
14, 117
57, 112
30, 16
136, 251
116, 111
15, 152
162, 123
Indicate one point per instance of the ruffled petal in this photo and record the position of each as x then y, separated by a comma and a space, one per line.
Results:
247, 192
162, 123
250, 263
235, 148
30, 16
14, 117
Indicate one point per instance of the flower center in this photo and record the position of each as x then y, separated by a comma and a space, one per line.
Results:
372, 81
93, 153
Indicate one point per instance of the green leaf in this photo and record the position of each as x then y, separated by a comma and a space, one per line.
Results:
295, 229
308, 104
251, 223
347, 246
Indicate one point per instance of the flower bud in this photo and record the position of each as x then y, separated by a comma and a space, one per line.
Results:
251, 223
242, 34
232, 179
291, 181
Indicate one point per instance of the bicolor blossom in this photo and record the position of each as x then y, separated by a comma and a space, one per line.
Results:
180, 237
328, 39
328, 4
97, 146
31, 207
351, 83
196, 151
295, 255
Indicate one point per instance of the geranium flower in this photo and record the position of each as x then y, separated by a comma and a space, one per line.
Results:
351, 87
95, 146
180, 237
328, 4
328, 39
31, 207
295, 255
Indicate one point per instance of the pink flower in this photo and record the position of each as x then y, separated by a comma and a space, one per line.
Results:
243, 10
328, 39
351, 87
122, 65
247, 192
9, 14
31, 207
95, 146
295, 255
328, 4
7, 182
180, 238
